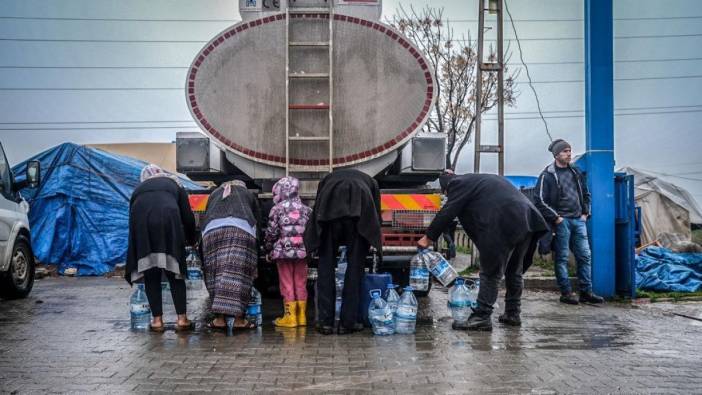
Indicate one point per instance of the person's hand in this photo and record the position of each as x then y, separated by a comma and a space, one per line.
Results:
268, 258
424, 242
559, 220
583, 217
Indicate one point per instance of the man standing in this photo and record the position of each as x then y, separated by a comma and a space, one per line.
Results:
346, 212
564, 200
502, 223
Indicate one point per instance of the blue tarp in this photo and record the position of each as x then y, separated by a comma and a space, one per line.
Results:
522, 181
79, 213
662, 270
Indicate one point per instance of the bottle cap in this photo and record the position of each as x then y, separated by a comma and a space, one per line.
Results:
391, 286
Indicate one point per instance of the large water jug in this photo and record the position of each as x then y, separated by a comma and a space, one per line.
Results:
139, 308
406, 314
254, 314
473, 289
194, 275
392, 298
380, 315
440, 267
459, 302
340, 274
419, 273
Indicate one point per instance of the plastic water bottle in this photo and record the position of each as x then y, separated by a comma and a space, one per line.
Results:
440, 267
459, 301
392, 298
139, 308
194, 275
473, 290
419, 273
341, 266
406, 314
380, 315
253, 310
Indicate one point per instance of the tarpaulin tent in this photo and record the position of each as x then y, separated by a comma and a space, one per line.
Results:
666, 207
79, 213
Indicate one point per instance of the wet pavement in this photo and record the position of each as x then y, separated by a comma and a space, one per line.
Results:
72, 335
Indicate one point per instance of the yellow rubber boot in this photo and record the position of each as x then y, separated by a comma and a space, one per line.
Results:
289, 320
302, 313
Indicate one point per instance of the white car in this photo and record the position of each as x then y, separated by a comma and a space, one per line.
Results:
16, 257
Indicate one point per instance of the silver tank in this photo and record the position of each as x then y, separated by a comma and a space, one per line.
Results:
382, 88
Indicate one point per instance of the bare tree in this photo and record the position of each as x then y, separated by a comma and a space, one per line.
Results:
454, 65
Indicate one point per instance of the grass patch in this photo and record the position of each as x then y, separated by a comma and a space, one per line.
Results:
467, 272
463, 250
697, 236
676, 296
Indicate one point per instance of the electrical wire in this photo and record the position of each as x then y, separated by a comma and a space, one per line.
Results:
531, 85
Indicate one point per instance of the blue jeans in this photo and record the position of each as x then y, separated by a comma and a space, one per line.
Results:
571, 234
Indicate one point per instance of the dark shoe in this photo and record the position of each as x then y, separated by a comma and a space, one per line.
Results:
325, 329
474, 323
589, 297
511, 319
342, 330
568, 299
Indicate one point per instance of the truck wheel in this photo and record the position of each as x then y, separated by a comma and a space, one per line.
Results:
19, 279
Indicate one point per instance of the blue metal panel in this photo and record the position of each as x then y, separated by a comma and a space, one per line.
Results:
599, 128
625, 235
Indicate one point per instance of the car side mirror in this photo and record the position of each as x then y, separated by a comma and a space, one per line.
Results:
33, 173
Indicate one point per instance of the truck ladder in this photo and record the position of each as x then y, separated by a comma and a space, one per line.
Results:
493, 7
302, 78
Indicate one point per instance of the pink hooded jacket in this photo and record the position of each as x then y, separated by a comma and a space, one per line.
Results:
287, 221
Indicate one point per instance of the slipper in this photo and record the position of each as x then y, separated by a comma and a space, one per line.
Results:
190, 325
158, 329
212, 326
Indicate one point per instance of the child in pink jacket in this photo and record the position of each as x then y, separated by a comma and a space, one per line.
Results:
285, 246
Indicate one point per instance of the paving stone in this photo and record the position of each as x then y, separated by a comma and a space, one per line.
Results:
79, 340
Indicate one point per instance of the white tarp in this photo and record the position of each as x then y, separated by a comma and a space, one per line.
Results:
666, 208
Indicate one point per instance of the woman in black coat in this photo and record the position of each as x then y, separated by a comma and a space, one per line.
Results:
161, 223
346, 212
503, 224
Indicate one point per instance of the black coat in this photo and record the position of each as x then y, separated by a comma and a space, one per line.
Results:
346, 194
493, 213
548, 193
160, 221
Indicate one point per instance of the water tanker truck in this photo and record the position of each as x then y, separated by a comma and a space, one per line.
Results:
305, 87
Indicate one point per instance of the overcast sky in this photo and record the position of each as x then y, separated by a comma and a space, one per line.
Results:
80, 71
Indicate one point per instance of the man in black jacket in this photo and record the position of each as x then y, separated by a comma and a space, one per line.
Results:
346, 212
564, 200
502, 223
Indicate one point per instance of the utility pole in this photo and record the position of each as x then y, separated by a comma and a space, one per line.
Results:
493, 7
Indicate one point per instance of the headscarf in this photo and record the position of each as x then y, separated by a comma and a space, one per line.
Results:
152, 171
228, 187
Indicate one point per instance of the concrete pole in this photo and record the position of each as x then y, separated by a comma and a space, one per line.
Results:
599, 129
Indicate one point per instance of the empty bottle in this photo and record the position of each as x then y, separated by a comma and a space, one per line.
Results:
340, 274
392, 298
440, 267
194, 275
139, 308
380, 315
419, 273
459, 301
253, 310
406, 314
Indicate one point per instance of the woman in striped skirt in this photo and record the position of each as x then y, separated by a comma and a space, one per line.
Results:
229, 245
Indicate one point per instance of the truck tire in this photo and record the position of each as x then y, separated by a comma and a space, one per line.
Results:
17, 282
